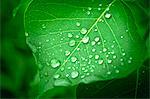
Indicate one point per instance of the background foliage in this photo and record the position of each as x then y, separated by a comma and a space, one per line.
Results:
18, 67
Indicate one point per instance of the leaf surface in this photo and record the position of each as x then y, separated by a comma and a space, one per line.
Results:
81, 41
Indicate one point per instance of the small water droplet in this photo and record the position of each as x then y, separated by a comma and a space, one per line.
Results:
83, 68
74, 74
108, 72
67, 53
121, 59
56, 76
83, 31
89, 8
26, 34
104, 49
96, 56
129, 61
97, 39
73, 59
47, 40
107, 15
114, 56
127, 30
98, 9
95, 29
77, 36
123, 54
62, 69
117, 71
82, 76
90, 56
78, 24
93, 50
109, 61
121, 37
100, 4
88, 12
55, 63
130, 58
100, 62
72, 43
70, 35
93, 43
43, 26
85, 39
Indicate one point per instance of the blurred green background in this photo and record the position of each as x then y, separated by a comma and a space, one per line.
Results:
18, 68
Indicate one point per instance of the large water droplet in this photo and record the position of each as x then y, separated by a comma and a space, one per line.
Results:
83, 30
70, 35
55, 63
72, 43
107, 15
67, 53
85, 39
73, 59
74, 74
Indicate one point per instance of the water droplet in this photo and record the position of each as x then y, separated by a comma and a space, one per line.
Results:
90, 56
83, 30
89, 8
121, 37
129, 61
100, 61
99, 43
77, 36
121, 59
78, 24
55, 63
67, 53
46, 74
47, 40
96, 56
96, 39
26, 34
62, 69
95, 30
104, 49
100, 4
127, 30
74, 74
117, 71
107, 15
72, 43
93, 50
108, 72
82, 76
114, 56
73, 59
93, 43
88, 12
130, 58
56, 76
43, 26
98, 9
85, 39
109, 61
61, 82
70, 35
83, 68
123, 54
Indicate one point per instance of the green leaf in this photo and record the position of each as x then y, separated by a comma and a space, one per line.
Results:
78, 41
